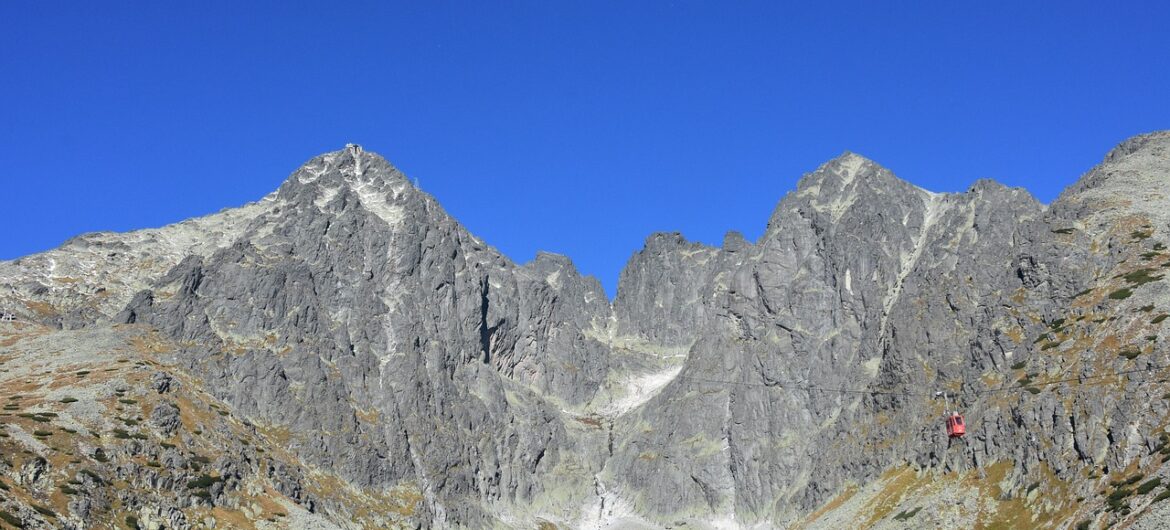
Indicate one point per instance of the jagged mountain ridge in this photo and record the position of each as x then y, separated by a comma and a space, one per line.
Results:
348, 308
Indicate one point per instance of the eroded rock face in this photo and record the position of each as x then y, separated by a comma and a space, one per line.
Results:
360, 314
738, 386
661, 300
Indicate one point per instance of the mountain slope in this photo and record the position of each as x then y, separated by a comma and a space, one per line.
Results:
397, 371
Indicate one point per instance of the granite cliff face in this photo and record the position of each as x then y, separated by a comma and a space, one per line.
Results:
353, 357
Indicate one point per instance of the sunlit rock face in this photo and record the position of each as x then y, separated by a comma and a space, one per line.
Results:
366, 361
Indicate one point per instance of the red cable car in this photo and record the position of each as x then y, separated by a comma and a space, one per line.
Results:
955, 426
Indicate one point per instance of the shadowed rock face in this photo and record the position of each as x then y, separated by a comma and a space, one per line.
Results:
730, 387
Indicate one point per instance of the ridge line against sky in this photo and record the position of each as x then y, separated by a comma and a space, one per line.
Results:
573, 128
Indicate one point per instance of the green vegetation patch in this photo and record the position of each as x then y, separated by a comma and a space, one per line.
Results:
1082, 293
1149, 486
906, 515
1120, 294
42, 417
1130, 354
128, 401
1117, 499
44, 511
203, 482
92, 474
1127, 481
1019, 366
1158, 319
69, 400
11, 519
1141, 277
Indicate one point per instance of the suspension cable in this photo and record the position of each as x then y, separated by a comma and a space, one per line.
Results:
807, 386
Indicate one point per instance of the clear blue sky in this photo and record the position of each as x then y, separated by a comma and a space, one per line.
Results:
573, 127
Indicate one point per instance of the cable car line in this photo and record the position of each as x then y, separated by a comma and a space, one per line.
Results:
1079, 380
956, 426
803, 384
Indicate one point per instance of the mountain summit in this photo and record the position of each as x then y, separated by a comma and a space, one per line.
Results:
344, 354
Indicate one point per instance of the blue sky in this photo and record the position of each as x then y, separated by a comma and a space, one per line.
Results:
572, 127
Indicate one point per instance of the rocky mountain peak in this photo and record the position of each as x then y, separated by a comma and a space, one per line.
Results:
550, 263
841, 174
733, 241
1133, 175
347, 174
350, 164
849, 179
847, 193
1157, 140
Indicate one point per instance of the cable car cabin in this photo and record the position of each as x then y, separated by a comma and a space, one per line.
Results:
956, 428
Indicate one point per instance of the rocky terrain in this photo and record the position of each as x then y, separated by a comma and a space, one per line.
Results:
344, 354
